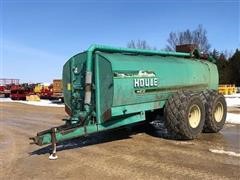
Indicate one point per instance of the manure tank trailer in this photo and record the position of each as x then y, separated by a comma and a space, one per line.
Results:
106, 88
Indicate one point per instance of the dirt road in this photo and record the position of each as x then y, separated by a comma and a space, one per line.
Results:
111, 155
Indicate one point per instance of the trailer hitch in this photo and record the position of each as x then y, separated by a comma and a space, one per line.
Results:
61, 133
37, 140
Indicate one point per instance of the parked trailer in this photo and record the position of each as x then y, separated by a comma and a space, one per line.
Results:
57, 90
18, 92
4, 91
5, 86
106, 88
21, 91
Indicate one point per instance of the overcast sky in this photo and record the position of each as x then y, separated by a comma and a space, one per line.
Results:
38, 37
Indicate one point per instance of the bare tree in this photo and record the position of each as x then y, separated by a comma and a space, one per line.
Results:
139, 44
197, 36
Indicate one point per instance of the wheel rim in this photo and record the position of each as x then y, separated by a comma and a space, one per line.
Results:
194, 116
218, 113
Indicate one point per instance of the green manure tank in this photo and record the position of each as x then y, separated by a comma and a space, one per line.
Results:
106, 88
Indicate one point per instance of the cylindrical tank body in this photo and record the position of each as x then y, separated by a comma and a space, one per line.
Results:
126, 83
140, 79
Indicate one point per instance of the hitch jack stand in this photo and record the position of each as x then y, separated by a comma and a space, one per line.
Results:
53, 156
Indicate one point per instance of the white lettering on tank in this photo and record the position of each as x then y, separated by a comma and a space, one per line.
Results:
151, 82
155, 82
136, 82
141, 82
145, 82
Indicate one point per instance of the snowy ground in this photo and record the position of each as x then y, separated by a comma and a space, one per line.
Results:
42, 102
233, 118
232, 101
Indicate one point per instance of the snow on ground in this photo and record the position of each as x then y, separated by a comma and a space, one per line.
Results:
221, 151
233, 101
233, 118
42, 102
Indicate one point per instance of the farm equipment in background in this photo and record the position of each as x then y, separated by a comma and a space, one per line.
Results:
46, 92
37, 89
57, 90
20, 92
227, 89
5, 86
4, 91
31, 92
43, 90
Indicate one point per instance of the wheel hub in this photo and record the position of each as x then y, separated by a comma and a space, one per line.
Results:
194, 116
218, 113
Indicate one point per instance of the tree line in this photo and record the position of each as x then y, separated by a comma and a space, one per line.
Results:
228, 67
228, 64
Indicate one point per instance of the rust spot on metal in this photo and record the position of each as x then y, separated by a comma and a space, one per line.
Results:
88, 87
107, 115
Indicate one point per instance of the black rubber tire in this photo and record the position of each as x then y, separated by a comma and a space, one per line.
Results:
176, 113
211, 99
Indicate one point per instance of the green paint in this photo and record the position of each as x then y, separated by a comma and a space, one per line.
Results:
125, 84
